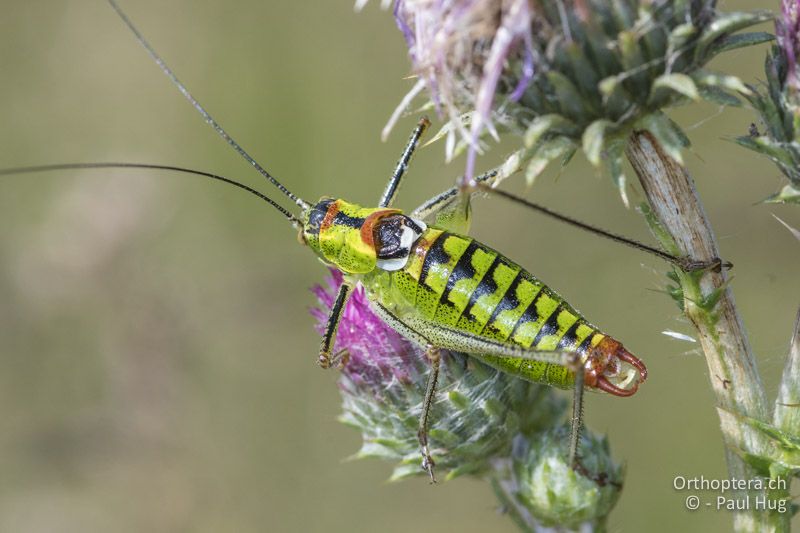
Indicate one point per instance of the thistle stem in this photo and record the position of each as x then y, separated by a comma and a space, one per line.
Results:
709, 305
787, 405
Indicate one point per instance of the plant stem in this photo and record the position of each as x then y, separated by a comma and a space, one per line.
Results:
709, 305
787, 404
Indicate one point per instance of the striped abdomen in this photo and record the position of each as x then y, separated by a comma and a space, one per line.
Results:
455, 281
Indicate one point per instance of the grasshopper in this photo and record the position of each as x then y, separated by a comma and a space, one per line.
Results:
437, 286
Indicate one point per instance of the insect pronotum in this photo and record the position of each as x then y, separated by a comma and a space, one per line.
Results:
438, 287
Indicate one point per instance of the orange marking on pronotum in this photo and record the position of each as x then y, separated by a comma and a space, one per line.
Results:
327, 222
369, 224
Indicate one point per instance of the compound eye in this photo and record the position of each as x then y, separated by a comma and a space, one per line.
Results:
317, 216
394, 236
315, 220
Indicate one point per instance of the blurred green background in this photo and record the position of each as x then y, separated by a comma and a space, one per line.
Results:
157, 363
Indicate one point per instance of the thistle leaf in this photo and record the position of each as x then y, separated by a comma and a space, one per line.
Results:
704, 78
679, 83
660, 127
715, 95
594, 139
741, 40
772, 149
787, 195
614, 157
680, 35
729, 23
547, 124
545, 153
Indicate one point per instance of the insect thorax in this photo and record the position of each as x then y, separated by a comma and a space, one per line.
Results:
358, 240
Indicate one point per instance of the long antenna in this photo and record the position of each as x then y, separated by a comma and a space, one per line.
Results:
684, 263
72, 166
200, 109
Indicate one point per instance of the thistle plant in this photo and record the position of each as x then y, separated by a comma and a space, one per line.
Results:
562, 76
566, 75
778, 105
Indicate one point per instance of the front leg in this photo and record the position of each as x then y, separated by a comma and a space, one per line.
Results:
450, 209
326, 359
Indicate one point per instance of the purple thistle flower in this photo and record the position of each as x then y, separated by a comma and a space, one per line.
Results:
461, 49
378, 354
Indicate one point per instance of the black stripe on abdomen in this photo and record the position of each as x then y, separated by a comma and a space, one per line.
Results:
549, 327
508, 302
462, 270
435, 255
486, 286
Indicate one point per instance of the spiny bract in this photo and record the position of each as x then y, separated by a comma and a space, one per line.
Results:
570, 73
778, 105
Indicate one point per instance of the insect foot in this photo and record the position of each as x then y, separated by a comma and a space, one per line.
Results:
340, 359
687, 264
324, 361
427, 461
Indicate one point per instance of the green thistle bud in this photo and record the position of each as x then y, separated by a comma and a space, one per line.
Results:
778, 105
546, 486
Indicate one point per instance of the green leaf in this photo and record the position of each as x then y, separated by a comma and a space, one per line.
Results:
545, 153
789, 443
732, 42
680, 83
463, 470
726, 23
678, 131
608, 85
782, 456
614, 154
594, 139
494, 408
787, 195
769, 147
680, 35
567, 95
704, 78
544, 124
660, 233
710, 300
659, 125
443, 436
512, 164
718, 96
459, 400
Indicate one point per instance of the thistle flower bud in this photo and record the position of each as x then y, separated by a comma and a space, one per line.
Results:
545, 484
569, 74
476, 414
778, 105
